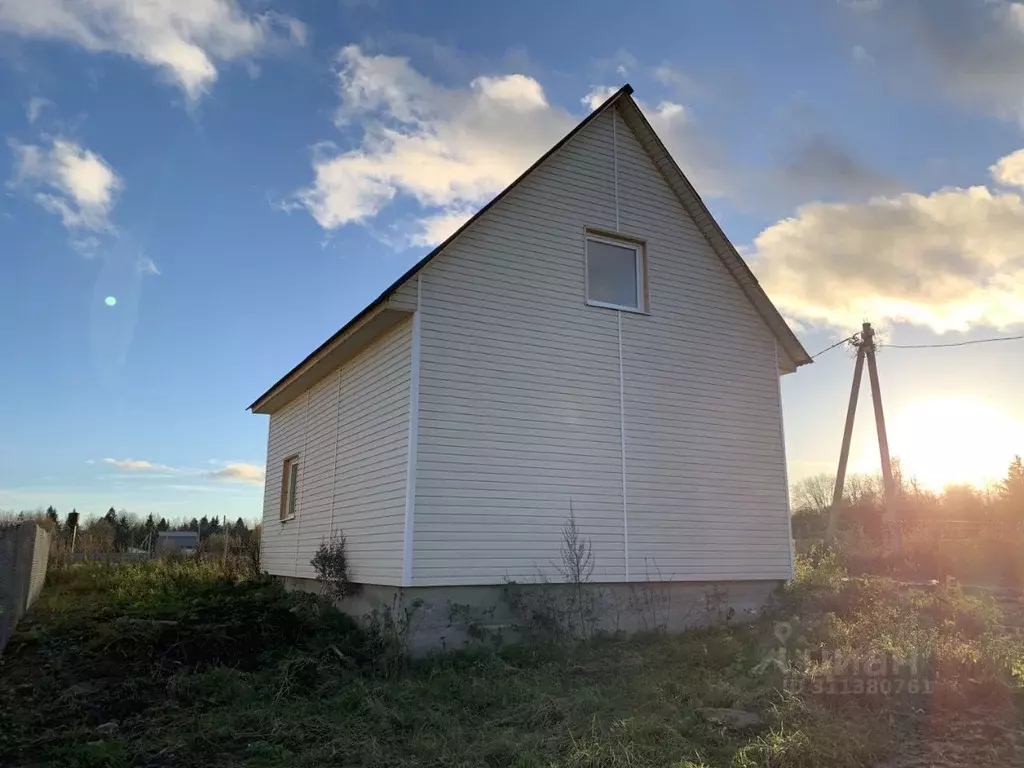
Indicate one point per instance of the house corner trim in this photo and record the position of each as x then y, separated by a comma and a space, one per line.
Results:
785, 463
414, 423
622, 442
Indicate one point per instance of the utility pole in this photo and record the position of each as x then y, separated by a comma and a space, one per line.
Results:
868, 340
72, 523
844, 452
866, 349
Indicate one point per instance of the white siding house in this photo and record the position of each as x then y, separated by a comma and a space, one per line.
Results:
524, 369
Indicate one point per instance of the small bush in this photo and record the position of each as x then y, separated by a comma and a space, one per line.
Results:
568, 610
330, 563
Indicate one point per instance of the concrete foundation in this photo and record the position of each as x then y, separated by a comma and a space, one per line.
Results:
449, 618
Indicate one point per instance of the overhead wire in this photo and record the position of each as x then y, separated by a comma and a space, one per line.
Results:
952, 344
848, 338
922, 346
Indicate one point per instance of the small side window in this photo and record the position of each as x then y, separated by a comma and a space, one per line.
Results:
289, 487
615, 274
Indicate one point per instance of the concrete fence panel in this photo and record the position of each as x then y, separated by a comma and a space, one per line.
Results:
24, 550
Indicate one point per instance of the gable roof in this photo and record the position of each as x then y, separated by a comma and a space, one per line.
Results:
684, 191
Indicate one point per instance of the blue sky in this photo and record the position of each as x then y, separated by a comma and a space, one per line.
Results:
238, 180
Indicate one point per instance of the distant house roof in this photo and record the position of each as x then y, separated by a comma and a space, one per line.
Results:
684, 191
179, 538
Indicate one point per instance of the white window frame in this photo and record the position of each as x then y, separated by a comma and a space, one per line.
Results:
289, 491
640, 248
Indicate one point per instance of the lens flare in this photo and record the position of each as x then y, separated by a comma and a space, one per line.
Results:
110, 301
948, 440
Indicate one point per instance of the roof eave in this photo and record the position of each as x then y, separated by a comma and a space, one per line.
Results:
261, 403
360, 334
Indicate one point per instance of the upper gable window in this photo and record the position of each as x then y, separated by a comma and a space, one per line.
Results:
615, 273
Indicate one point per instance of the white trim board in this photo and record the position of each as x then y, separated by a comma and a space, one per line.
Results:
414, 421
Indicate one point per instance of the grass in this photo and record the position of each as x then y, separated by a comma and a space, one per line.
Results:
183, 665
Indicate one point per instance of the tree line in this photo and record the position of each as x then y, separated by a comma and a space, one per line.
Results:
973, 534
863, 496
121, 531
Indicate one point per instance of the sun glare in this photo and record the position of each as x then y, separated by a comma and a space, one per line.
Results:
953, 440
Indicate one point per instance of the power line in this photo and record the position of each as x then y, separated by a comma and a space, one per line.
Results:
954, 344
922, 346
848, 338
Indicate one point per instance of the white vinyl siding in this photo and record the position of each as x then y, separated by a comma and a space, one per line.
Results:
705, 464
519, 399
521, 411
372, 452
404, 297
286, 437
350, 432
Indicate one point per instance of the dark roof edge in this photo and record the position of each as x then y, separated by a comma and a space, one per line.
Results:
626, 90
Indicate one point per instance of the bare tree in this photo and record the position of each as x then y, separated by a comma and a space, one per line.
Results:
577, 553
577, 569
864, 490
814, 493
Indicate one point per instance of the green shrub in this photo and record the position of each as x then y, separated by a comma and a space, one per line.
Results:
330, 563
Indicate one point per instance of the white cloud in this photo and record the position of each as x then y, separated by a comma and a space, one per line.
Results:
950, 260
435, 228
450, 149
87, 246
453, 149
137, 465
240, 472
597, 95
147, 267
236, 472
184, 40
35, 107
70, 180
1009, 170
